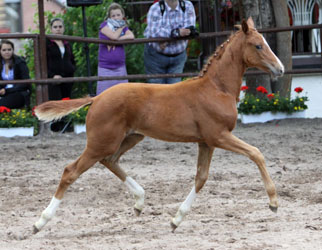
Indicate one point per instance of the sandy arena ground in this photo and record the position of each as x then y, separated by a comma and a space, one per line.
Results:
231, 212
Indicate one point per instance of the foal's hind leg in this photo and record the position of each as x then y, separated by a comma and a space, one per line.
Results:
230, 142
204, 159
71, 173
111, 162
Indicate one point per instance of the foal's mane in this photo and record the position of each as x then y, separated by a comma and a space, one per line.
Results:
217, 54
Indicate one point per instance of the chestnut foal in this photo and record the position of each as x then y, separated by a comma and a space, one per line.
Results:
201, 110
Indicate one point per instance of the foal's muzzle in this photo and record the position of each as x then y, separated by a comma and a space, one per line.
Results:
279, 72
276, 70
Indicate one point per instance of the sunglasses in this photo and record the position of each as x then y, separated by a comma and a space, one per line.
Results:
58, 26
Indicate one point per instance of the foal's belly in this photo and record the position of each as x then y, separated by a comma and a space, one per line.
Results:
172, 134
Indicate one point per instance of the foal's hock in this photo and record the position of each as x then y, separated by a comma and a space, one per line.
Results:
201, 110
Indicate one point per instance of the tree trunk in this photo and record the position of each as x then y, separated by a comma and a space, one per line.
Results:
261, 12
284, 47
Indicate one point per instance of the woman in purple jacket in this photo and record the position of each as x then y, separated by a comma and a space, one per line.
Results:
111, 59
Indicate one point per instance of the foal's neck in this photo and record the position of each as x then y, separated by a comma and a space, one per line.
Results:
227, 68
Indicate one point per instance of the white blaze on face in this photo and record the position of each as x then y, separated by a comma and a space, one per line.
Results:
277, 59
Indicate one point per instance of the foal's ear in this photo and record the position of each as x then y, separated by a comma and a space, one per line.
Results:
250, 23
244, 26
237, 26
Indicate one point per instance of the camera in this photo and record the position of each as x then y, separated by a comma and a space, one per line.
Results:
193, 31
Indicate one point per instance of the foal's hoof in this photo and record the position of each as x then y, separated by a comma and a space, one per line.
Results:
137, 211
35, 229
173, 226
274, 209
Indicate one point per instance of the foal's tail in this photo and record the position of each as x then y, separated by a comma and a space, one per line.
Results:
55, 110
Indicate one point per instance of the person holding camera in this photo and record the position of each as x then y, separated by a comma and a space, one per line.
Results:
168, 18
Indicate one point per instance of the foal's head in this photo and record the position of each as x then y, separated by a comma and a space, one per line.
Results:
257, 52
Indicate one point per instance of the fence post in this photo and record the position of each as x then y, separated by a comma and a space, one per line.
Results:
39, 98
42, 90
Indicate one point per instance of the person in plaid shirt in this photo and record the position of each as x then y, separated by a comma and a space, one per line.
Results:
170, 18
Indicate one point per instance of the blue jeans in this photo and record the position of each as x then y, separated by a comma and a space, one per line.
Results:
156, 63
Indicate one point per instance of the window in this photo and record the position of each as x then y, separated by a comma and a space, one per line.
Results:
13, 16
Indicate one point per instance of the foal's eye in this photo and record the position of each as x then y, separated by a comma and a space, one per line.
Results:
258, 46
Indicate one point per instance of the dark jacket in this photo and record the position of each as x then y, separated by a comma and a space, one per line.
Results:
21, 72
56, 65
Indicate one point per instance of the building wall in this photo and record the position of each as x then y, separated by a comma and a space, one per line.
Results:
30, 8
2, 15
312, 85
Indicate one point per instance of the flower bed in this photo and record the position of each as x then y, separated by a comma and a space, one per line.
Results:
15, 118
78, 119
79, 116
274, 103
14, 122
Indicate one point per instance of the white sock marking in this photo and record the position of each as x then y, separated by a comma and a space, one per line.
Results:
137, 190
185, 207
48, 213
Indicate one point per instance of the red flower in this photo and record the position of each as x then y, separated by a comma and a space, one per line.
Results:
262, 90
66, 99
244, 88
298, 89
4, 109
270, 96
33, 111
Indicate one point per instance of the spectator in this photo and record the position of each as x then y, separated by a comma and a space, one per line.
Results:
111, 59
168, 18
13, 67
60, 63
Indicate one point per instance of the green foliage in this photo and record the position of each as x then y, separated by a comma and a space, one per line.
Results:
134, 52
73, 19
17, 118
79, 116
28, 54
194, 46
255, 105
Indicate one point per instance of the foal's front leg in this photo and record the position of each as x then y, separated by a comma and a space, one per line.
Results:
204, 159
230, 142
